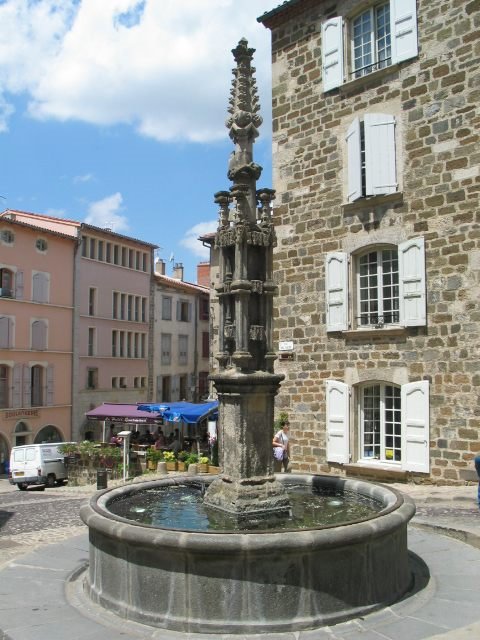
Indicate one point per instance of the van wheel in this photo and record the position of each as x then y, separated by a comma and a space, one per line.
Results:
22, 487
50, 480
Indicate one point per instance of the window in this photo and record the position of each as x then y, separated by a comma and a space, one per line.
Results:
114, 344
144, 262
143, 344
378, 288
205, 344
115, 305
130, 307
116, 250
137, 260
92, 298
100, 249
391, 424
115, 382
371, 162
91, 341
388, 287
123, 301
6, 332
121, 344
183, 311
108, 252
123, 383
182, 349
182, 385
92, 378
166, 388
6, 283
84, 247
136, 339
41, 245
137, 309
129, 344
36, 388
40, 287
166, 308
131, 258
370, 40
39, 335
7, 236
382, 35
124, 256
92, 248
144, 309
136, 382
143, 382
166, 347
204, 309
203, 384
4, 384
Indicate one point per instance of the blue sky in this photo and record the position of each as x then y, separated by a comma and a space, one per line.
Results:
113, 112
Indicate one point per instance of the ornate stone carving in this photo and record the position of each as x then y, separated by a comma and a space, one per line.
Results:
257, 333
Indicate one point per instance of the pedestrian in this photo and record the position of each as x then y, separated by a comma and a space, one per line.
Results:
281, 448
160, 441
477, 468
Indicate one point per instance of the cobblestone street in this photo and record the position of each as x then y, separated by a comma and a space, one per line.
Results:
33, 518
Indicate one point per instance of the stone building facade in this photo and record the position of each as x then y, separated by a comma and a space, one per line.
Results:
376, 168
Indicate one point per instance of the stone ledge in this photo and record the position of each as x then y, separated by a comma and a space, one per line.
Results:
376, 472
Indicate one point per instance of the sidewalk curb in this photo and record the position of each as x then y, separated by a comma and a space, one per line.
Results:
470, 538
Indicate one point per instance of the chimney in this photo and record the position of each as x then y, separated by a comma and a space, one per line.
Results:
203, 274
160, 267
178, 271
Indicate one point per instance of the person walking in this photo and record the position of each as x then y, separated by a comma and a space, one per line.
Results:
281, 448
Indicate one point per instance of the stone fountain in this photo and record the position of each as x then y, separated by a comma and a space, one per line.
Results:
247, 581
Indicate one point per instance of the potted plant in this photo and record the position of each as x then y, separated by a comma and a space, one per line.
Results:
181, 460
153, 458
171, 461
192, 458
203, 464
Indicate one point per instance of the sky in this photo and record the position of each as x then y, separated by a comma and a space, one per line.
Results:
112, 112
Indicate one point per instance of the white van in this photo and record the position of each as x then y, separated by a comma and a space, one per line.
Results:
41, 464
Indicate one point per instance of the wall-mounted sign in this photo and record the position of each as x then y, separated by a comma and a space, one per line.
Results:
21, 413
286, 345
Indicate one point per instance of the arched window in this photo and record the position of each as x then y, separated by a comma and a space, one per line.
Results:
22, 433
6, 283
48, 434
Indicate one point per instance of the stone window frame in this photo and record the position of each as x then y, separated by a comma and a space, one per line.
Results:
344, 425
342, 288
337, 42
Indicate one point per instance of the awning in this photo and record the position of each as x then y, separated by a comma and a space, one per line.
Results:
125, 413
183, 411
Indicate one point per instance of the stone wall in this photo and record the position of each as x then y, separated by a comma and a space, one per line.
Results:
434, 98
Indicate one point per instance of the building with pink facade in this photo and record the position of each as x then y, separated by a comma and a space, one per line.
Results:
36, 343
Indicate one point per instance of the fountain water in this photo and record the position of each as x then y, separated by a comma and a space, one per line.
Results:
247, 580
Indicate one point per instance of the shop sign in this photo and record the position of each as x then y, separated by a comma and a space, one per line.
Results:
21, 413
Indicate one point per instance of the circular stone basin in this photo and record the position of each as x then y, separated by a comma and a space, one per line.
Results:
249, 581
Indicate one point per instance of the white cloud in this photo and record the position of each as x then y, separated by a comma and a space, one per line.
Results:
190, 240
162, 67
86, 177
106, 213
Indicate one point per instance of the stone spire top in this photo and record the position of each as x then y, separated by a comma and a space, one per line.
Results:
244, 103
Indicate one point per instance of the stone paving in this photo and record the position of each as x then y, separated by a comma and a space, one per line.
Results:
37, 556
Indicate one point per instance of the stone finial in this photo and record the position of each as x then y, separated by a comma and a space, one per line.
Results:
244, 103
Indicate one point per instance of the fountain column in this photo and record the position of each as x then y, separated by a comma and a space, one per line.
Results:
246, 384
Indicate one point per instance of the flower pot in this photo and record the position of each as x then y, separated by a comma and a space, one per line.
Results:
162, 467
180, 465
213, 469
203, 467
172, 466
152, 465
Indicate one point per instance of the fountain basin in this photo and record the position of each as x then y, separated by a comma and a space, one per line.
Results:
249, 582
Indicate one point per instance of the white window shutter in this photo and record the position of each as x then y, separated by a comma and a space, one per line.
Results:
336, 276
380, 164
332, 53
338, 441
354, 161
17, 385
403, 26
50, 385
5, 332
27, 386
416, 426
411, 267
19, 285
